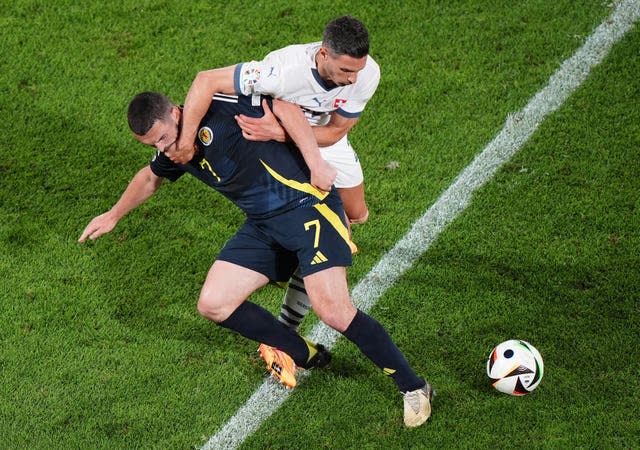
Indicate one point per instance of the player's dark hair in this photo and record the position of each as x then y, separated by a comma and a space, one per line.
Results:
346, 35
145, 109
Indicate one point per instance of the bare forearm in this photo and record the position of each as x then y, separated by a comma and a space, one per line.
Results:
143, 185
195, 107
325, 136
335, 130
196, 104
294, 122
298, 130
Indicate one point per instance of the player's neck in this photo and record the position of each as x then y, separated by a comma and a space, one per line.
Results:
319, 65
323, 72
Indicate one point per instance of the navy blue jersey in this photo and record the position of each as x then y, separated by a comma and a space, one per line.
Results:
262, 178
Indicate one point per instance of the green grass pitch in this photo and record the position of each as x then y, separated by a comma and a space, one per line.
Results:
101, 344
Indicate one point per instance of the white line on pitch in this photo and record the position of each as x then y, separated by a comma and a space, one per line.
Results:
517, 130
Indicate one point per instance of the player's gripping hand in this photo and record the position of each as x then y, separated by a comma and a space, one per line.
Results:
183, 151
100, 225
265, 128
323, 175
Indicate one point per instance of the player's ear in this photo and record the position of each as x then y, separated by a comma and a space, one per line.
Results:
324, 52
176, 113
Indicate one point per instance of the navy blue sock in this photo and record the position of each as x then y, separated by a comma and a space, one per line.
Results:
258, 324
374, 341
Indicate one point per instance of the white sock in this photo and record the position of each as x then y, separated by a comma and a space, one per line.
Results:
296, 303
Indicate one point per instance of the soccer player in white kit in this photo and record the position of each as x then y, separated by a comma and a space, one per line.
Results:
332, 104
331, 81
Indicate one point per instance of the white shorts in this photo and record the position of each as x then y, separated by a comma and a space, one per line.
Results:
343, 158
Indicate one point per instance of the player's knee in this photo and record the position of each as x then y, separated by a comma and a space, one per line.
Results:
362, 217
337, 318
331, 320
210, 309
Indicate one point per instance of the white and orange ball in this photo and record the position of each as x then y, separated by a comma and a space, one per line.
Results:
515, 367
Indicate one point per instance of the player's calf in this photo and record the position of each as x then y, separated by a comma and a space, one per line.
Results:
362, 218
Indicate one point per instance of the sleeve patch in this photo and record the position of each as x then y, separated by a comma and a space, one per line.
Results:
249, 77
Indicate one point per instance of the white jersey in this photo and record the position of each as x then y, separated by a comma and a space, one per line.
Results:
290, 74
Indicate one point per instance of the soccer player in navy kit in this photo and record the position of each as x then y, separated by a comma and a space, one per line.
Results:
332, 81
289, 223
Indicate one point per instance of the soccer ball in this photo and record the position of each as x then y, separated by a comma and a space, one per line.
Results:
515, 367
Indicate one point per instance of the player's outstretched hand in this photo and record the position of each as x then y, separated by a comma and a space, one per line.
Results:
265, 128
100, 225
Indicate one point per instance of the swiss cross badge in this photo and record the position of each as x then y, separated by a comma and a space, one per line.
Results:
338, 103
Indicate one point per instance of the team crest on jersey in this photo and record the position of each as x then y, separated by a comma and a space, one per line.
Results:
338, 103
205, 135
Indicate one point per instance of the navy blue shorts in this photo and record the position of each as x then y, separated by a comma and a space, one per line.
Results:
312, 237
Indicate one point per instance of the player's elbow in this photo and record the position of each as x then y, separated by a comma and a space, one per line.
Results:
215, 81
204, 79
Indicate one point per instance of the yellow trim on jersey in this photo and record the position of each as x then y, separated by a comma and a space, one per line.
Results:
335, 221
323, 209
303, 187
